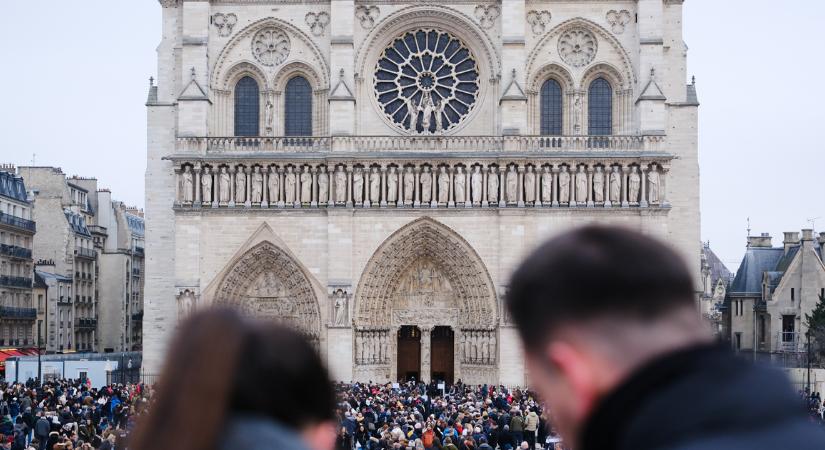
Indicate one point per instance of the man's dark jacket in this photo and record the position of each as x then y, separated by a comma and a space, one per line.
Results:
702, 398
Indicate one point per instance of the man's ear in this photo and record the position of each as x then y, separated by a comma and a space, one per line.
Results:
579, 372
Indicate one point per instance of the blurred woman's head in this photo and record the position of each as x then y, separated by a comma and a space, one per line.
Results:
223, 368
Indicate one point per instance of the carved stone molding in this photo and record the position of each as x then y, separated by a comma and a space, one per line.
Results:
618, 20
578, 47
367, 15
317, 22
187, 300
487, 15
224, 23
539, 20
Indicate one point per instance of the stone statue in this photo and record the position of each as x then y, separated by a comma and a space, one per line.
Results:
598, 185
358, 185
412, 112
615, 185
290, 180
409, 185
375, 185
385, 346
634, 184
206, 185
257, 185
224, 180
306, 185
546, 185
186, 304
340, 308
530, 185
512, 185
392, 185
581, 185
323, 185
426, 180
269, 113
427, 108
439, 121
484, 349
274, 185
240, 186
492, 185
653, 186
188, 185
340, 185
493, 347
443, 185
460, 179
476, 184
564, 185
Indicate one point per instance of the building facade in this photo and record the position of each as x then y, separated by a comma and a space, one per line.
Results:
716, 279
372, 172
774, 288
17, 229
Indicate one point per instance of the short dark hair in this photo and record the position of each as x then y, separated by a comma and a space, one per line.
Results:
596, 271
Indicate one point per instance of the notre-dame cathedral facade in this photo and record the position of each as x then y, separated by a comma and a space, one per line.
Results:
371, 172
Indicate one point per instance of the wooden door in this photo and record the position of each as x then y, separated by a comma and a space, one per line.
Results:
442, 341
409, 353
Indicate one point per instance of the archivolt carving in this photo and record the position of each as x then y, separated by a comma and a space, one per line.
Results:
245, 35
298, 68
427, 272
241, 69
536, 58
267, 283
605, 70
551, 70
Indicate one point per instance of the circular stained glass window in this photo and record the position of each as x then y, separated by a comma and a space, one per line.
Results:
426, 81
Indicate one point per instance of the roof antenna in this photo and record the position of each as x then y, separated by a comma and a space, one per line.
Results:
749, 231
812, 221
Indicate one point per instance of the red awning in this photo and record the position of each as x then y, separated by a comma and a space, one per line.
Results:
10, 352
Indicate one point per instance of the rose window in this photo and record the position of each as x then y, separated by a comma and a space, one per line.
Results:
270, 46
577, 47
426, 81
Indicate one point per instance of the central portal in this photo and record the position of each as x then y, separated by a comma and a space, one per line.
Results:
409, 353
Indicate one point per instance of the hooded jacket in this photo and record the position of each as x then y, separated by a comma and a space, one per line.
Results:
702, 398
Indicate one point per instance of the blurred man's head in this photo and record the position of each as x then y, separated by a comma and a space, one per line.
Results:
594, 304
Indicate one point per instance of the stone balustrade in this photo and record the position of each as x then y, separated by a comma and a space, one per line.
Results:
454, 182
426, 143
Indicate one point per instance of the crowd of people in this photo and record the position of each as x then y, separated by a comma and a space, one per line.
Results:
813, 402
419, 416
66, 415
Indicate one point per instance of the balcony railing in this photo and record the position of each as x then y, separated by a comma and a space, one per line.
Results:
137, 317
136, 271
65, 299
85, 323
18, 282
789, 342
27, 225
139, 251
85, 252
482, 144
15, 251
9, 312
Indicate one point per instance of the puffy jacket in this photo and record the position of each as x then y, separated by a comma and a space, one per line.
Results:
702, 398
532, 421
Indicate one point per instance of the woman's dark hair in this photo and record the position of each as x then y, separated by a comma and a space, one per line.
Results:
220, 364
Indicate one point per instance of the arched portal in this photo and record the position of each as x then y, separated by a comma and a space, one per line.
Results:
425, 275
265, 282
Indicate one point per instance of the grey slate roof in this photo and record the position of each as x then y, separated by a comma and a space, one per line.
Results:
692, 97
53, 276
718, 270
13, 187
136, 224
757, 260
77, 223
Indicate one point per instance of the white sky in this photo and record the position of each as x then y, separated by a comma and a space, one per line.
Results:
76, 78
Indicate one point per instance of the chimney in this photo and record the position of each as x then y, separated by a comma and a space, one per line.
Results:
808, 238
821, 239
763, 241
791, 239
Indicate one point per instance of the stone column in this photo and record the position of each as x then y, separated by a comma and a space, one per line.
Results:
314, 200
393, 337
426, 353
399, 197
349, 187
502, 202
433, 185
625, 173
451, 190
468, 196
520, 194
590, 203
383, 189
231, 171
281, 198
247, 173
484, 179
663, 198
178, 182
554, 171
265, 174
198, 185
416, 198
643, 175
297, 200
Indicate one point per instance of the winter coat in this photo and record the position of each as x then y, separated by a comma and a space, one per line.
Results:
257, 433
702, 398
532, 421
516, 424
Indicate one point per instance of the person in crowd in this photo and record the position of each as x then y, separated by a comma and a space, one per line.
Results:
614, 339
248, 384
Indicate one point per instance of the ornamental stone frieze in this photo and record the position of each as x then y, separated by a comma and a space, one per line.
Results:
335, 181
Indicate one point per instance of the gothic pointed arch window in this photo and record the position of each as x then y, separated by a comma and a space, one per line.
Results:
247, 107
298, 107
551, 108
600, 108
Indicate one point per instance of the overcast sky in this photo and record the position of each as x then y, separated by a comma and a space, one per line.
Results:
76, 78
